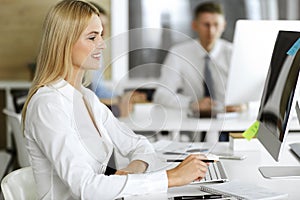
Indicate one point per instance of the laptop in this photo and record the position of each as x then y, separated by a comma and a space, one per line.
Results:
215, 174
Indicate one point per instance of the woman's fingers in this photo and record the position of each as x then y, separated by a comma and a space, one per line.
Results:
196, 156
190, 169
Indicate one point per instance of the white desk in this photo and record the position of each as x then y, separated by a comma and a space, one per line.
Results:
154, 117
247, 171
8, 86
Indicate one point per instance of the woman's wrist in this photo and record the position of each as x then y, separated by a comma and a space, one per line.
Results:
135, 167
122, 172
191, 105
172, 178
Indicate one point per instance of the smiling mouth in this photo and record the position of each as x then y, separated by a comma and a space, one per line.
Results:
96, 56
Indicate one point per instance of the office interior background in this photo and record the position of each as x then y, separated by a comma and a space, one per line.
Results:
158, 24
159, 14
21, 27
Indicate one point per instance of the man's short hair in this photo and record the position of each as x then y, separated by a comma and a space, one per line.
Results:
208, 7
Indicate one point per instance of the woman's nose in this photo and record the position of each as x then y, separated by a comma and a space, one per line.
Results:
101, 44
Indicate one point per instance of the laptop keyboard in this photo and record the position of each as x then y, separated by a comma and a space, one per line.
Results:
215, 173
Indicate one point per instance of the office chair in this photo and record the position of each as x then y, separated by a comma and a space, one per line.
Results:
14, 120
19, 185
5, 163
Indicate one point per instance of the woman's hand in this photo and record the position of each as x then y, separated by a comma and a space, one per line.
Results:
122, 172
192, 168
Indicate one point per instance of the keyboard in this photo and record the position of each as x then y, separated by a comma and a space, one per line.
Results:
215, 174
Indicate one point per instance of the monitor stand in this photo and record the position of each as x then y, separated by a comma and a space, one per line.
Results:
292, 172
283, 171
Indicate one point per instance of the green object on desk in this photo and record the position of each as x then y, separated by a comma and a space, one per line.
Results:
251, 131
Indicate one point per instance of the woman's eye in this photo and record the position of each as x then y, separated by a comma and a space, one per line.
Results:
92, 38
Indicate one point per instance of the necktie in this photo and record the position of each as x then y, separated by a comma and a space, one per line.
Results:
208, 80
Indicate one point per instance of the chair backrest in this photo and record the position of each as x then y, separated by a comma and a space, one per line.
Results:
6, 160
19, 185
19, 97
15, 122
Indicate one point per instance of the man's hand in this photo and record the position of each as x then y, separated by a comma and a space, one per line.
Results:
204, 105
236, 108
127, 101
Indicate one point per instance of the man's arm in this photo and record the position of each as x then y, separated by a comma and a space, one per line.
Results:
170, 81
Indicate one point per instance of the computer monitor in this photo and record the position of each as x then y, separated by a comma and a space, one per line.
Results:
253, 44
281, 91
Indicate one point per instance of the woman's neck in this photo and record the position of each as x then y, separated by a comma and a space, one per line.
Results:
76, 79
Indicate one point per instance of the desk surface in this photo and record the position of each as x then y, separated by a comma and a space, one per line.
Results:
154, 117
247, 171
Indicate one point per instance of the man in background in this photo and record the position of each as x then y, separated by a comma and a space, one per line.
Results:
194, 73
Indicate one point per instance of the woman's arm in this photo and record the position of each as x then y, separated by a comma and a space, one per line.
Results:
48, 125
126, 142
135, 167
192, 168
139, 150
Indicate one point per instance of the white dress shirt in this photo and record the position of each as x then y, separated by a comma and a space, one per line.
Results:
69, 153
182, 74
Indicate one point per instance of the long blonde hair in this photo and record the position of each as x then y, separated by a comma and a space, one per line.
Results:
62, 27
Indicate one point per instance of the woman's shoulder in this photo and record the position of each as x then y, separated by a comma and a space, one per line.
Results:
88, 92
46, 96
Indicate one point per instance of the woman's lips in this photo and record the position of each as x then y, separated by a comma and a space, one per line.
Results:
96, 55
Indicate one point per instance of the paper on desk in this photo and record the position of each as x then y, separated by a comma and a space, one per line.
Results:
156, 196
243, 190
177, 147
169, 146
187, 190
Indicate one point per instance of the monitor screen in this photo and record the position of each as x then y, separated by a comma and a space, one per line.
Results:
279, 94
253, 45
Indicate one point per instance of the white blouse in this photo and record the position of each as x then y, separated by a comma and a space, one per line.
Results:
69, 153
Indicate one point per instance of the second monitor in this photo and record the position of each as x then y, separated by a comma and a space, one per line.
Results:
278, 101
253, 46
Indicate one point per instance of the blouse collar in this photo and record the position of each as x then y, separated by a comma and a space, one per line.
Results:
67, 90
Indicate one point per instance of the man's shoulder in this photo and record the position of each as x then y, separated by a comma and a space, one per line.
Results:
225, 44
188, 44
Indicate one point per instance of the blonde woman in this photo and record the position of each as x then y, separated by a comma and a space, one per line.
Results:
70, 135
